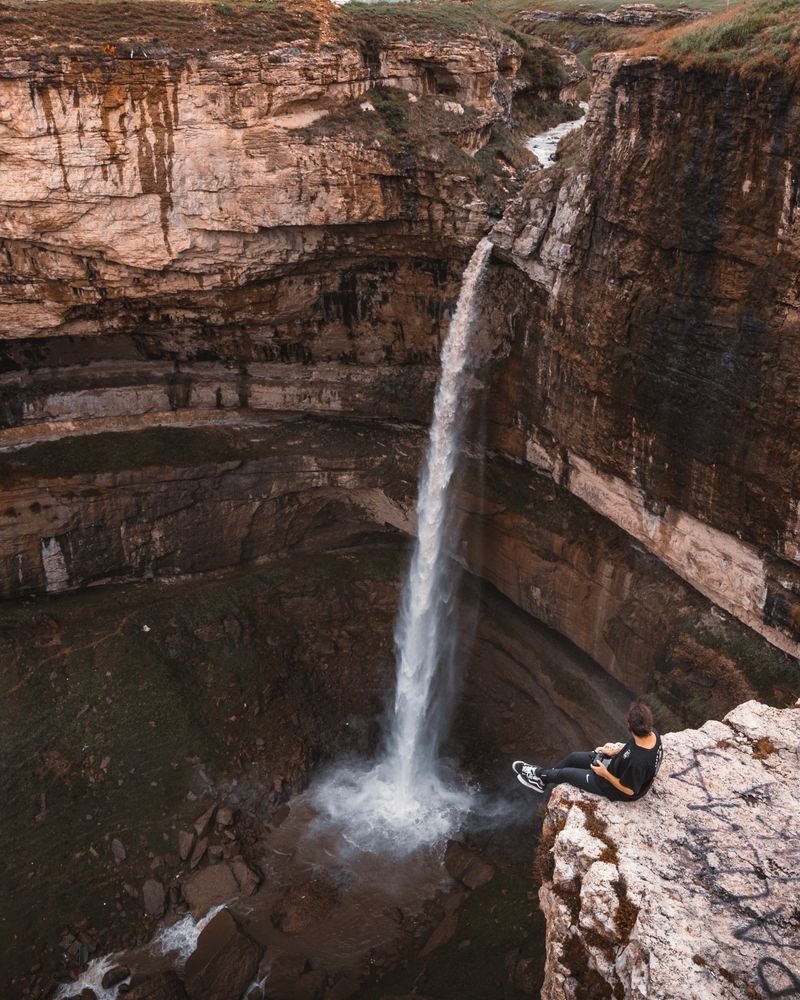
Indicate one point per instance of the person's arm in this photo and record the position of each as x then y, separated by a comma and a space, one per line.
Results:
602, 772
609, 749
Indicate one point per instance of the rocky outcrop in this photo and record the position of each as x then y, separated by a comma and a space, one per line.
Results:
655, 377
692, 890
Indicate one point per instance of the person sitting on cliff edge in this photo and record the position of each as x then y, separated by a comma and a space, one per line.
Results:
622, 772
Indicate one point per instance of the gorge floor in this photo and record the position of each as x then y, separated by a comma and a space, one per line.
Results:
134, 705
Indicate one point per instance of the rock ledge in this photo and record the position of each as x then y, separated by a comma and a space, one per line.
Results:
692, 891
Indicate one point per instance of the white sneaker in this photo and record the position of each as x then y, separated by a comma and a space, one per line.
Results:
526, 773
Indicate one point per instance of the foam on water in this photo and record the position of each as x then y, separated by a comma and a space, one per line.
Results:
181, 938
177, 941
406, 800
545, 144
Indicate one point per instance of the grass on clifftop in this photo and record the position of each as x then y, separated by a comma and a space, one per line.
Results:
126, 29
757, 37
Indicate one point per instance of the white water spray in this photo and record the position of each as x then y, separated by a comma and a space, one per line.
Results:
403, 801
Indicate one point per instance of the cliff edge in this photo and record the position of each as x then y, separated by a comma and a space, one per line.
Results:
692, 891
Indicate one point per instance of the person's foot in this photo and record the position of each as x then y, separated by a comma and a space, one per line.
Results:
526, 773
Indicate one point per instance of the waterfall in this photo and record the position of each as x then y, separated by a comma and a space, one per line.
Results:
415, 733
403, 801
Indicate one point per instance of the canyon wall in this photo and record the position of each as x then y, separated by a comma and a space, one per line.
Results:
657, 376
198, 242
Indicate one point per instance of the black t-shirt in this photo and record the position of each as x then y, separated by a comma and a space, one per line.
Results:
636, 767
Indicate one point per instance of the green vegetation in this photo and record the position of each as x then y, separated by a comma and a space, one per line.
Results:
125, 29
758, 36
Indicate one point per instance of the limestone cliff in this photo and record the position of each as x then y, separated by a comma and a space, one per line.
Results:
241, 200
657, 376
692, 890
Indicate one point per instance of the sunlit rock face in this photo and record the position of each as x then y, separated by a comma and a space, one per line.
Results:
657, 376
250, 195
692, 890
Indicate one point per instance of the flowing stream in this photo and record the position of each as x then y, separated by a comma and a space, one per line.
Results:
545, 144
406, 799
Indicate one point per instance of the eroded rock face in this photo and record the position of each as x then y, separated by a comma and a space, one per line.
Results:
203, 191
692, 890
656, 377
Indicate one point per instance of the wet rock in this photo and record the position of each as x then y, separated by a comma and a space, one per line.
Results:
284, 972
224, 816
153, 896
203, 823
279, 816
478, 874
457, 858
310, 986
452, 901
248, 880
118, 850
185, 844
198, 852
224, 962
304, 905
465, 865
115, 976
443, 932
345, 988
162, 986
209, 887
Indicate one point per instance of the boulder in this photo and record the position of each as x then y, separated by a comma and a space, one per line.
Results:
186, 841
208, 887
203, 823
310, 986
161, 986
198, 852
153, 896
224, 961
303, 905
115, 976
442, 933
247, 879
224, 816
465, 865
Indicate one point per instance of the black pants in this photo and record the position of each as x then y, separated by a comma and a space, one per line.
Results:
575, 770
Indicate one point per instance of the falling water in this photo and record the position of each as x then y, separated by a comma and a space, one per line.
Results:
404, 801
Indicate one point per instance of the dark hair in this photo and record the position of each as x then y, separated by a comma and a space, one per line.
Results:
639, 718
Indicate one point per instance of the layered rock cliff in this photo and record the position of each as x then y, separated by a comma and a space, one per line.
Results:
657, 378
692, 890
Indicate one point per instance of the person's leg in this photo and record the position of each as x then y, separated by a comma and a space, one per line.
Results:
575, 759
580, 777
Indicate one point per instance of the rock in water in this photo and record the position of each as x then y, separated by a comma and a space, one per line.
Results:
162, 986
224, 962
248, 880
691, 891
115, 976
153, 895
208, 887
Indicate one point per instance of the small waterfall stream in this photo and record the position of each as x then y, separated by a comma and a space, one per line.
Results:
404, 800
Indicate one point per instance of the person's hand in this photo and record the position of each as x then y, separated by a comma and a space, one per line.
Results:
600, 770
